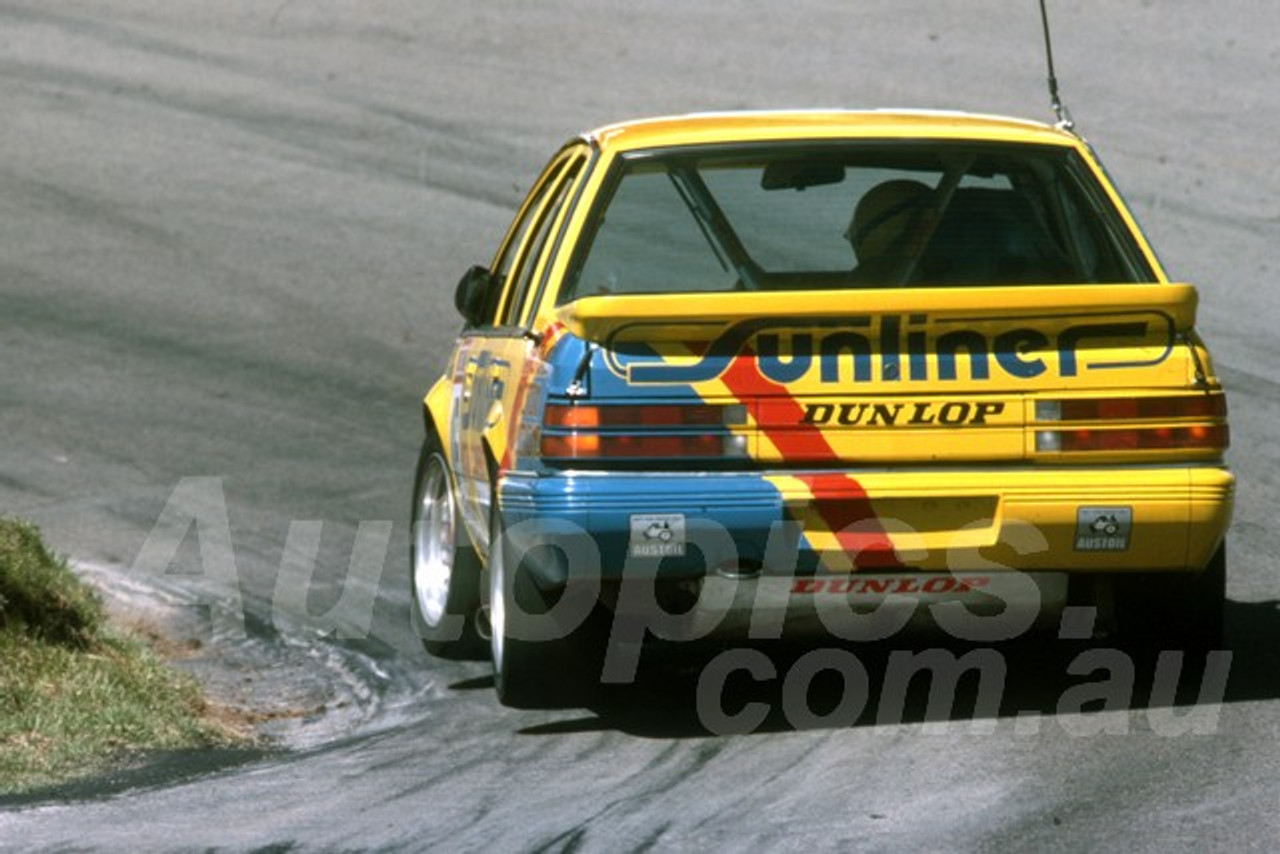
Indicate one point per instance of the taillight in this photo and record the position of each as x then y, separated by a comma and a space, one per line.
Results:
630, 431
624, 415
1103, 424
1132, 408
1213, 437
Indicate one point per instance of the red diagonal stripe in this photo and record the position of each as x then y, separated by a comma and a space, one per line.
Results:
745, 382
838, 498
843, 503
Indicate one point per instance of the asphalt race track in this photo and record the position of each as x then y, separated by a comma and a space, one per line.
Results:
229, 236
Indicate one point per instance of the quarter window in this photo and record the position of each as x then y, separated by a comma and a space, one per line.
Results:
533, 258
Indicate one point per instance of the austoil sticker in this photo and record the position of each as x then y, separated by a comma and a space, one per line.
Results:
657, 535
1103, 529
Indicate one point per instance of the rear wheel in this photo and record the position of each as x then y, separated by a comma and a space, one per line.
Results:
444, 569
538, 662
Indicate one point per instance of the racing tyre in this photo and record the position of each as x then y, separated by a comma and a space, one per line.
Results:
444, 570
1176, 611
538, 662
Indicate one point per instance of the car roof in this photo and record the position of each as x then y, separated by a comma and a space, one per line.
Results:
765, 126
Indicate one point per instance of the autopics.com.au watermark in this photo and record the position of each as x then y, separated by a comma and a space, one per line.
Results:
863, 608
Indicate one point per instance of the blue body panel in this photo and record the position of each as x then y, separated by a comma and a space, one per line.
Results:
731, 519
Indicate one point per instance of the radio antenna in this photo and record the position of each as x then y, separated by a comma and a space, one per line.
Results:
1055, 102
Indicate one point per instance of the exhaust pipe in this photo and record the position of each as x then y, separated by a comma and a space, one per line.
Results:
739, 571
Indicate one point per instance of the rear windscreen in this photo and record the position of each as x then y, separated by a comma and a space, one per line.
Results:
864, 215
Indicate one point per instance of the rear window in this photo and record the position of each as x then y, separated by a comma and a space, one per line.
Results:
860, 215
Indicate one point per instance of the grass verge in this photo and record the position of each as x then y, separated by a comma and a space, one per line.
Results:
77, 695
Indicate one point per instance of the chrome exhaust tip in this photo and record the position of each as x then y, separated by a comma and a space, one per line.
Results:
736, 571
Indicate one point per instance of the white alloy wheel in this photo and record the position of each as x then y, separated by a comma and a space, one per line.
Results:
434, 542
497, 600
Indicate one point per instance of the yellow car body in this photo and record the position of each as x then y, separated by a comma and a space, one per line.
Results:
669, 356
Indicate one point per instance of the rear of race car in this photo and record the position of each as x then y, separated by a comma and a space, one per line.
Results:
1052, 437
1014, 415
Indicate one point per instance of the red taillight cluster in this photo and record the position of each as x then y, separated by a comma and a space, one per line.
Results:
624, 431
1097, 424
1144, 439
1136, 408
581, 445
626, 416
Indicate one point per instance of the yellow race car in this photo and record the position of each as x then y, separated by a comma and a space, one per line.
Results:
832, 371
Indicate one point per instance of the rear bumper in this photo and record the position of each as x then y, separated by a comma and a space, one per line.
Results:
687, 525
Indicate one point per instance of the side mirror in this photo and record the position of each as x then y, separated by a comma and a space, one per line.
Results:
472, 290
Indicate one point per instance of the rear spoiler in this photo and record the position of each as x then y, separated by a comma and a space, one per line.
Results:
598, 318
